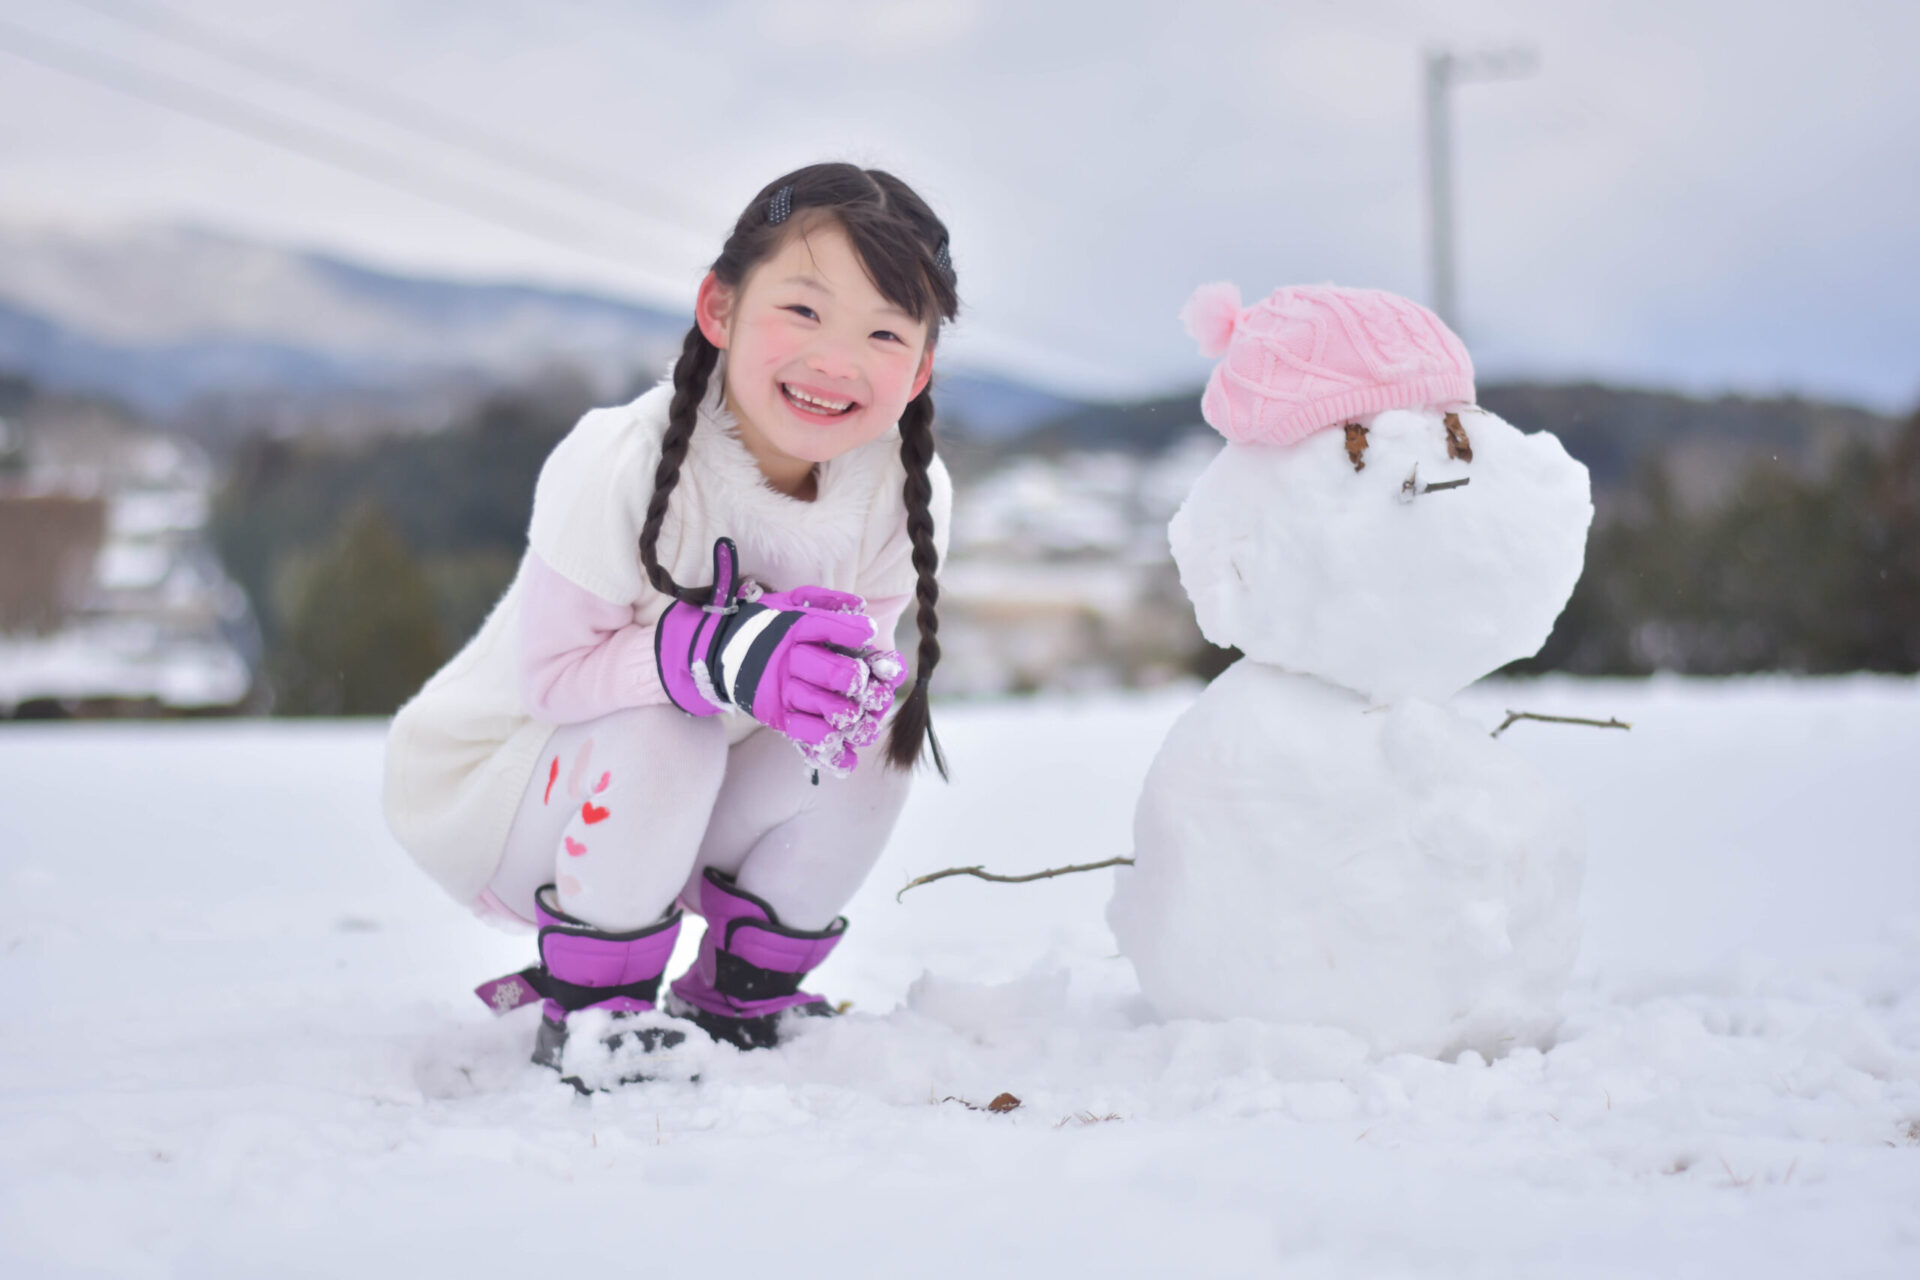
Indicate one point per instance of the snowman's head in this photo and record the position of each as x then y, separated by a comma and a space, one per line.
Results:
1399, 551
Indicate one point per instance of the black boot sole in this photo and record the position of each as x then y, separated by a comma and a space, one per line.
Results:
762, 1032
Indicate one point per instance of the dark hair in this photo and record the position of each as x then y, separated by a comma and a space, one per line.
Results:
903, 248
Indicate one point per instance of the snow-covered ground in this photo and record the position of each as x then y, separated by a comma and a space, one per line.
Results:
240, 1042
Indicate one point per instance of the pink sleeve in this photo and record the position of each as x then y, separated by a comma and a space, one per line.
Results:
580, 656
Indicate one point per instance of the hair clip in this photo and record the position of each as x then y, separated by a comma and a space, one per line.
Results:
944, 258
780, 207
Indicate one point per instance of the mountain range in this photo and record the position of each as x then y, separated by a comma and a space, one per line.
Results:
211, 333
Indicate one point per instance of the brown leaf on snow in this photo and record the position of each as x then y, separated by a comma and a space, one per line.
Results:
1357, 445
1005, 1102
1458, 446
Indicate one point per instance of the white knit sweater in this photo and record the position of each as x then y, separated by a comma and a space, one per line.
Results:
460, 754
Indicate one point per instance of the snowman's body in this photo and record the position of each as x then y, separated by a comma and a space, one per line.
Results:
1320, 839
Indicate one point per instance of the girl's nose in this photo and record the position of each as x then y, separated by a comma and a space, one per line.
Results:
832, 360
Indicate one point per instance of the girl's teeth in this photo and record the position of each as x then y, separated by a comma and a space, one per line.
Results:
813, 402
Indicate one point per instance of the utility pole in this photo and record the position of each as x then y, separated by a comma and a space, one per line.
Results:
1445, 69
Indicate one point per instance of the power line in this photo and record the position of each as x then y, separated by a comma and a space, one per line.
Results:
400, 112
289, 134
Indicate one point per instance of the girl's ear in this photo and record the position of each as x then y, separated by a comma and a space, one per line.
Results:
712, 309
925, 374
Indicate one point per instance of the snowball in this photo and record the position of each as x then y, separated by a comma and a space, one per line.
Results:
1298, 560
1396, 872
886, 664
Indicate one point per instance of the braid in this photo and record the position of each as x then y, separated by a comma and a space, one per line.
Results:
914, 721
690, 374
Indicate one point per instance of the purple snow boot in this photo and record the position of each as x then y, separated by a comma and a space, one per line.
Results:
600, 985
747, 979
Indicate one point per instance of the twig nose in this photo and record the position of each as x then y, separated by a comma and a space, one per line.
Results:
1411, 488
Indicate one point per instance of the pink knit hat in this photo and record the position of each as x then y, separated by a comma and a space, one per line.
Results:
1314, 356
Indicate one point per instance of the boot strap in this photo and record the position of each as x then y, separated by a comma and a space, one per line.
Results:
742, 980
504, 995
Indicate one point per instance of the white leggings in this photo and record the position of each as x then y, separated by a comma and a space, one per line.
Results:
625, 812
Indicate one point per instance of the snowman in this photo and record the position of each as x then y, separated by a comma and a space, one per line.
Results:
1321, 839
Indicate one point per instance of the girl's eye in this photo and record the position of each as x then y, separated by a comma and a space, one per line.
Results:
888, 334
805, 313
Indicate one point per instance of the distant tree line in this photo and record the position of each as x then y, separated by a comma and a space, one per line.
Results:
1733, 536
370, 565
1790, 572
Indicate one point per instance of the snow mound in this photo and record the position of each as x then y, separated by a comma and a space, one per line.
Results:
1296, 559
1393, 871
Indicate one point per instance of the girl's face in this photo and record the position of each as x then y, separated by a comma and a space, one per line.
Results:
818, 360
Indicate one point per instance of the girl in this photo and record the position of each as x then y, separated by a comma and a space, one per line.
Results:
617, 741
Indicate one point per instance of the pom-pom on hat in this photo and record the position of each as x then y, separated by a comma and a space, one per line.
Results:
1314, 356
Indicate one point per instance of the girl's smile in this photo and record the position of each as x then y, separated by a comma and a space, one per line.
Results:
815, 403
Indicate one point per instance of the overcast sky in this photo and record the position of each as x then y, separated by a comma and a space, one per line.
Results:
1690, 193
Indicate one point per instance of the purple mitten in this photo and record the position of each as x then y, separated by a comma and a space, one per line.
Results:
796, 661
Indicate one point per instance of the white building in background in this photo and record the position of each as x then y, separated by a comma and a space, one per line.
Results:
143, 617
1059, 575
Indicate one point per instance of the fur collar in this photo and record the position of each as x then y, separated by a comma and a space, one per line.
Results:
767, 523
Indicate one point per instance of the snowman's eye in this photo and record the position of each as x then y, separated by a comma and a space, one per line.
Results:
1458, 446
1356, 445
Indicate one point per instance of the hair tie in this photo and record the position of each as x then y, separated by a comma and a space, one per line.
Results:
780, 206
943, 258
